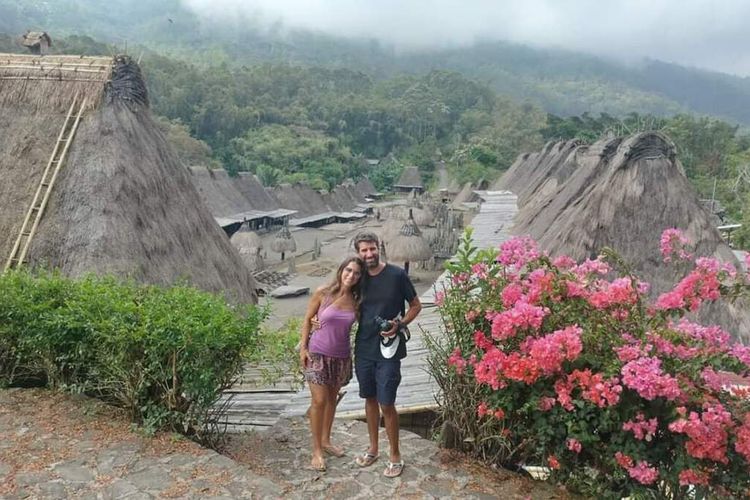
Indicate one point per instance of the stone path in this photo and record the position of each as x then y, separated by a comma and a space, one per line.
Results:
57, 446
54, 445
283, 452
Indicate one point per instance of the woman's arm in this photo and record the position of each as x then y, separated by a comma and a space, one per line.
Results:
312, 310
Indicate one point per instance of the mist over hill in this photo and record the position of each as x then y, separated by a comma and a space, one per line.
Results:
563, 82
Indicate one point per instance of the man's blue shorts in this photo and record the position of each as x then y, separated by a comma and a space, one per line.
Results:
378, 379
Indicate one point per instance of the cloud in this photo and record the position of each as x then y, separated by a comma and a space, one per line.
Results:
691, 32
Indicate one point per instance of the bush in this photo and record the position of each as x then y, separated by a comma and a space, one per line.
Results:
164, 354
571, 366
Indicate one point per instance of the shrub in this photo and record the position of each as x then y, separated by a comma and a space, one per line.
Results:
164, 354
573, 367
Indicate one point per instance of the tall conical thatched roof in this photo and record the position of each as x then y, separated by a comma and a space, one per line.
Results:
218, 192
250, 187
409, 245
365, 187
122, 203
302, 198
410, 179
284, 241
620, 194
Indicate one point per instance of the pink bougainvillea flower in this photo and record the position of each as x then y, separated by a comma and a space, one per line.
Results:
574, 445
707, 432
517, 252
553, 462
623, 460
695, 477
644, 473
457, 361
641, 428
644, 375
672, 244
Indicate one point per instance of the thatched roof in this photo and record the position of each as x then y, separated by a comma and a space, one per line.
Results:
302, 198
249, 245
365, 187
409, 245
620, 194
246, 239
250, 187
122, 203
284, 241
446, 183
218, 192
35, 38
410, 178
465, 195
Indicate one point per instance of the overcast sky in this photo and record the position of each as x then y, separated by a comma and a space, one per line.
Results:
709, 34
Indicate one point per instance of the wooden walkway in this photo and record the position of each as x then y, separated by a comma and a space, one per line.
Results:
418, 390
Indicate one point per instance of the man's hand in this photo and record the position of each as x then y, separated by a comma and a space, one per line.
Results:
396, 324
315, 323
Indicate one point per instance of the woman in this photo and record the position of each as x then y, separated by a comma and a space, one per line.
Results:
325, 355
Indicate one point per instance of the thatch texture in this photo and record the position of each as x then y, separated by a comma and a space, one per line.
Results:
49, 83
465, 195
410, 179
302, 198
250, 187
409, 245
245, 239
218, 192
365, 187
122, 203
284, 242
249, 245
620, 194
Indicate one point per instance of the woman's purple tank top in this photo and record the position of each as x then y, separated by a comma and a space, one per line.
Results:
332, 338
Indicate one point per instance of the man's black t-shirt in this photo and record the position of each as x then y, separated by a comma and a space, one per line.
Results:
384, 295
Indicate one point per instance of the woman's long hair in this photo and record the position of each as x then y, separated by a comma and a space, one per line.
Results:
335, 285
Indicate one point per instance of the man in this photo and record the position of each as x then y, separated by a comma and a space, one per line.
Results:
385, 292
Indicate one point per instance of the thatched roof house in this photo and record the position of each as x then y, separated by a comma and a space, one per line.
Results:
619, 193
218, 191
38, 42
409, 181
365, 187
122, 203
250, 187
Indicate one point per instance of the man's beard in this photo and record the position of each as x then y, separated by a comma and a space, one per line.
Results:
373, 263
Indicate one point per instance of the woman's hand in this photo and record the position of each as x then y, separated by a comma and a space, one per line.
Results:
304, 357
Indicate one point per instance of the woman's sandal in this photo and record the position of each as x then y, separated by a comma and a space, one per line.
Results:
334, 451
318, 468
365, 459
393, 469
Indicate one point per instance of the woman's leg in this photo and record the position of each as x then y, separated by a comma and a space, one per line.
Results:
317, 423
330, 412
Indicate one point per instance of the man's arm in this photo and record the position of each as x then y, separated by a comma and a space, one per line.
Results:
415, 307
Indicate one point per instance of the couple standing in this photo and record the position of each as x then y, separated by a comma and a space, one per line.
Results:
364, 288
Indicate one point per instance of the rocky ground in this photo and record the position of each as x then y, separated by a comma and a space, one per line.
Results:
54, 445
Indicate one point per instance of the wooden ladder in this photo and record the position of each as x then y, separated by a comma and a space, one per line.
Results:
41, 197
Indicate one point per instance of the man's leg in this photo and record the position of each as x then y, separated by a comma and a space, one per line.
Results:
388, 376
390, 415
372, 412
365, 370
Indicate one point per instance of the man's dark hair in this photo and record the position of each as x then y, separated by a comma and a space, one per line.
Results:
364, 236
